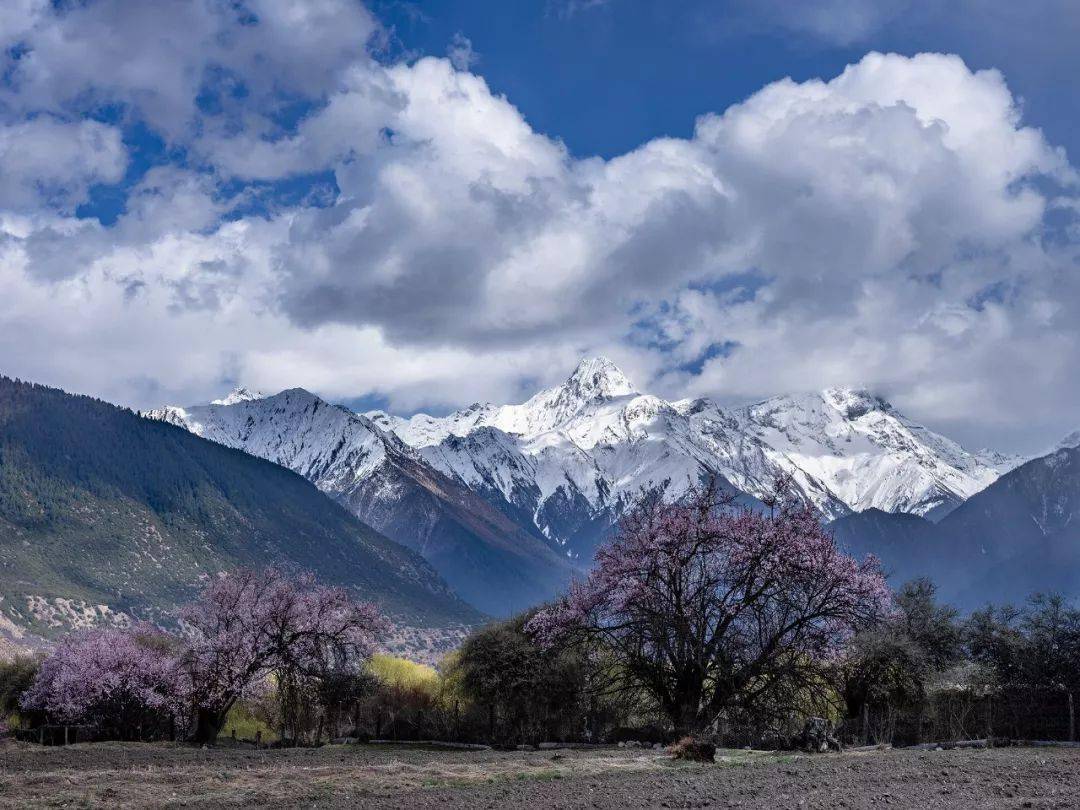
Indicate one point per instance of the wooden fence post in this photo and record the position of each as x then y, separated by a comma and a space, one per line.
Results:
1072, 719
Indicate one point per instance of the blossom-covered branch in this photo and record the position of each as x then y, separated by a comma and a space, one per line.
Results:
709, 605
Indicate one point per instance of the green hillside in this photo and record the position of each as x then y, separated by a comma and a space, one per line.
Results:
103, 507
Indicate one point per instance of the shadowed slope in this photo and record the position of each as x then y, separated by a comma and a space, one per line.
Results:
101, 507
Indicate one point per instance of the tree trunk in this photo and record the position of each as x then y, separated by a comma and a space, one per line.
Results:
1072, 719
686, 719
208, 725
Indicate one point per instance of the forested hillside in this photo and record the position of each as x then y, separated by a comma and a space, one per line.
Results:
103, 511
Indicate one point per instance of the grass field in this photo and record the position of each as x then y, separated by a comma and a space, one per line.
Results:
161, 775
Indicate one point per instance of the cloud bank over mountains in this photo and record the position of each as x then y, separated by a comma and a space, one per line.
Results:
296, 208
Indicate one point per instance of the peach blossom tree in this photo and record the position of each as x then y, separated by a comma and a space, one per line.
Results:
122, 682
710, 606
246, 629
249, 625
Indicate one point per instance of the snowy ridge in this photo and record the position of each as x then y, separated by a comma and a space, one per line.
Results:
595, 441
565, 463
1069, 442
594, 381
867, 454
328, 444
239, 394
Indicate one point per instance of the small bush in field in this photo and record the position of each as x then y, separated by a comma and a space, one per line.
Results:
694, 750
16, 677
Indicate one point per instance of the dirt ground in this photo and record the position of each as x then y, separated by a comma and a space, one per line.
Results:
158, 775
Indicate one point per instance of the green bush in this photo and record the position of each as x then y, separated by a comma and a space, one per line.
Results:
16, 675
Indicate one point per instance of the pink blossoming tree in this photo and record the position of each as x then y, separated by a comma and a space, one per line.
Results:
245, 629
710, 606
250, 625
122, 682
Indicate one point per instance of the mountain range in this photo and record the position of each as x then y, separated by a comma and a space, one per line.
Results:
596, 438
106, 516
508, 501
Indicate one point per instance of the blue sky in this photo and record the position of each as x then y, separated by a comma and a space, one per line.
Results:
608, 76
423, 205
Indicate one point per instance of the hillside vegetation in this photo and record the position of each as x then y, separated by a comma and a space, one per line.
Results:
103, 511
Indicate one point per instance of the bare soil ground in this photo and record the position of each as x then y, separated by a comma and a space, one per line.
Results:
158, 775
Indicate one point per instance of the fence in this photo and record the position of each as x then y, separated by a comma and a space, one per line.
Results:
55, 735
958, 714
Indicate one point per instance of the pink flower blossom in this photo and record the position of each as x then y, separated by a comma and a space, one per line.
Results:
702, 598
113, 677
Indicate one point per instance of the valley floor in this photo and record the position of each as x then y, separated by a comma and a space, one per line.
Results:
154, 775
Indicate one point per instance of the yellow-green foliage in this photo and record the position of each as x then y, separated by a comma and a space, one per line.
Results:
438, 687
403, 674
816, 697
450, 673
241, 719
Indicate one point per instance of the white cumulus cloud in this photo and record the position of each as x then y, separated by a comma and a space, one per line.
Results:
898, 225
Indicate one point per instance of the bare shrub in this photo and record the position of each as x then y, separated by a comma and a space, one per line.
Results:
694, 749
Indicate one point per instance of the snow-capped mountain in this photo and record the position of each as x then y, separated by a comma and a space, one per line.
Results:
240, 394
295, 429
491, 560
570, 458
573, 454
560, 467
868, 455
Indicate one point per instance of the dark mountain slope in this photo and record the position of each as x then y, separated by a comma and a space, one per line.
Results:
1019, 536
905, 544
101, 507
491, 560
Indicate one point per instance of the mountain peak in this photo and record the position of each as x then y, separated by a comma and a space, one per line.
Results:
855, 401
598, 377
1069, 442
237, 395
